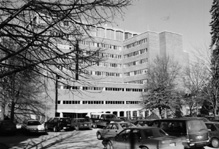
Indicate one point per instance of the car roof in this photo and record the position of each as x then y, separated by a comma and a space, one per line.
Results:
32, 120
212, 122
79, 118
180, 119
143, 127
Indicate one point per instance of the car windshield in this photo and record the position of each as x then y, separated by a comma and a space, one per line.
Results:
196, 125
33, 123
126, 125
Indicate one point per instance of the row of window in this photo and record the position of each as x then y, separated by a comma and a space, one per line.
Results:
96, 102
102, 88
137, 72
100, 45
103, 32
108, 55
137, 82
114, 65
92, 88
112, 74
139, 62
142, 41
139, 52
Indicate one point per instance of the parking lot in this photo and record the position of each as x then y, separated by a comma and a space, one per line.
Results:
83, 139
53, 140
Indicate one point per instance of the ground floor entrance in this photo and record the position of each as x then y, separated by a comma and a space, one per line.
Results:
119, 113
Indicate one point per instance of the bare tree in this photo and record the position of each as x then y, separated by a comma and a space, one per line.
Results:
21, 92
161, 85
41, 27
214, 85
39, 31
195, 79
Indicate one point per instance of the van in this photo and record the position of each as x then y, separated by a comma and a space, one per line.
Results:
81, 123
192, 131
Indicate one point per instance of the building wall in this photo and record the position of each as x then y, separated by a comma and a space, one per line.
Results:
119, 94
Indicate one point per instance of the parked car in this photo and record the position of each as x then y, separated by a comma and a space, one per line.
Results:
213, 128
81, 123
33, 126
193, 131
58, 123
101, 120
7, 127
143, 138
112, 129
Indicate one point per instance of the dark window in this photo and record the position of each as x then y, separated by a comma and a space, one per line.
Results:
211, 127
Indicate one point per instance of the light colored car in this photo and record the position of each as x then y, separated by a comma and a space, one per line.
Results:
112, 129
213, 128
33, 126
143, 138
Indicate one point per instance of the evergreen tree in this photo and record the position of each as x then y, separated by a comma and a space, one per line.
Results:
215, 54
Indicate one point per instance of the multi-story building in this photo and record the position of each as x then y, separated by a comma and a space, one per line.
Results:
117, 83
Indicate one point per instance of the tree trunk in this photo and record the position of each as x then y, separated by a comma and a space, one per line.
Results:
215, 106
2, 112
190, 109
12, 110
160, 112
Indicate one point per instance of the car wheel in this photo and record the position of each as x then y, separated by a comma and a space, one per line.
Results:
99, 137
215, 143
109, 145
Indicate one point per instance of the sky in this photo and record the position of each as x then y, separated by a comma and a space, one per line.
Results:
190, 18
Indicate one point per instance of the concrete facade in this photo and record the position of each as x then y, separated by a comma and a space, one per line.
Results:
116, 84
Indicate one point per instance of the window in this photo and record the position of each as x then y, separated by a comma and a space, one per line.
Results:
211, 127
114, 126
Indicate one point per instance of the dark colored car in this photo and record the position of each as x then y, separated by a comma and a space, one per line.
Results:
192, 131
58, 123
101, 120
112, 129
213, 128
81, 123
7, 127
143, 138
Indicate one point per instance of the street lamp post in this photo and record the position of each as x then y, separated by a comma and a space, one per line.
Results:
56, 96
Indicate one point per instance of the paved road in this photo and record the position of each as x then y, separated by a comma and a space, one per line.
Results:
60, 140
